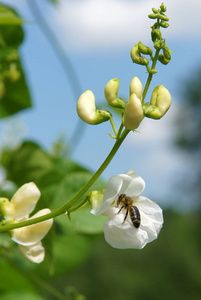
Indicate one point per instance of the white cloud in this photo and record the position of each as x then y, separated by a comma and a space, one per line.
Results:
111, 24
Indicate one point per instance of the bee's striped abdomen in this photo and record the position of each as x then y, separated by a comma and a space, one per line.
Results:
135, 216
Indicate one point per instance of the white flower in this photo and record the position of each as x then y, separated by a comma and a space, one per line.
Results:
123, 234
18, 209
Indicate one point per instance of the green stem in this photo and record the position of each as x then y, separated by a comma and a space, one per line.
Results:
150, 75
63, 209
120, 130
113, 126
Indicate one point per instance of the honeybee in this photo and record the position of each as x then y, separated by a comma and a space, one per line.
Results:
127, 203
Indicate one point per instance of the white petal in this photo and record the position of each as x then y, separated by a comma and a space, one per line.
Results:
150, 208
110, 195
124, 236
34, 253
32, 234
151, 217
136, 186
24, 200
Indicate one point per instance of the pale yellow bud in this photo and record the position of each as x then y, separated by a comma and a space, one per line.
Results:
111, 91
136, 87
159, 104
133, 113
86, 109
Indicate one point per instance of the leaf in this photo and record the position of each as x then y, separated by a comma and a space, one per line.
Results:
10, 273
84, 222
29, 162
8, 17
14, 93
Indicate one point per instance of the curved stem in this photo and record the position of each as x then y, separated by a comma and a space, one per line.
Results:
63, 209
113, 126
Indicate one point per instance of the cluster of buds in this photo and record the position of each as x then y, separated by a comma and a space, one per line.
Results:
159, 43
136, 56
133, 111
17, 210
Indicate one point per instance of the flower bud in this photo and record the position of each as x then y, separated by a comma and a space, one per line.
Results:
164, 24
111, 91
34, 233
163, 60
136, 87
159, 104
86, 109
144, 49
133, 113
136, 56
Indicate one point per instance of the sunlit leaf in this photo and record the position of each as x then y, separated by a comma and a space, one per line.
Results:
14, 93
8, 17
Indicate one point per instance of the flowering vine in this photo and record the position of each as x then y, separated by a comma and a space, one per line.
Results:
133, 220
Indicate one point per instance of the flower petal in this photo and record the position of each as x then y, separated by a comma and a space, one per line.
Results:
111, 193
124, 236
136, 186
34, 253
151, 217
24, 201
32, 234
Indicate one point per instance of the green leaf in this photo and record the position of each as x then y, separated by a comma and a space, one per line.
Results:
84, 222
8, 17
31, 163
14, 93
12, 278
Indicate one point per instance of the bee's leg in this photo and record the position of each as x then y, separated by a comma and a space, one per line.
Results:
120, 210
125, 216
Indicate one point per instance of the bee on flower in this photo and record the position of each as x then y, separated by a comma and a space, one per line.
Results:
133, 220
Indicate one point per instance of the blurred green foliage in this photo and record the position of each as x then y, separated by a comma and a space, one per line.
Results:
168, 268
14, 93
8, 16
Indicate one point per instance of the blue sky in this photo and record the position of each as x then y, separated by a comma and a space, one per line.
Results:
97, 37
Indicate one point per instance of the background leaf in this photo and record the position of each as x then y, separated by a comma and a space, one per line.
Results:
14, 93
8, 17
